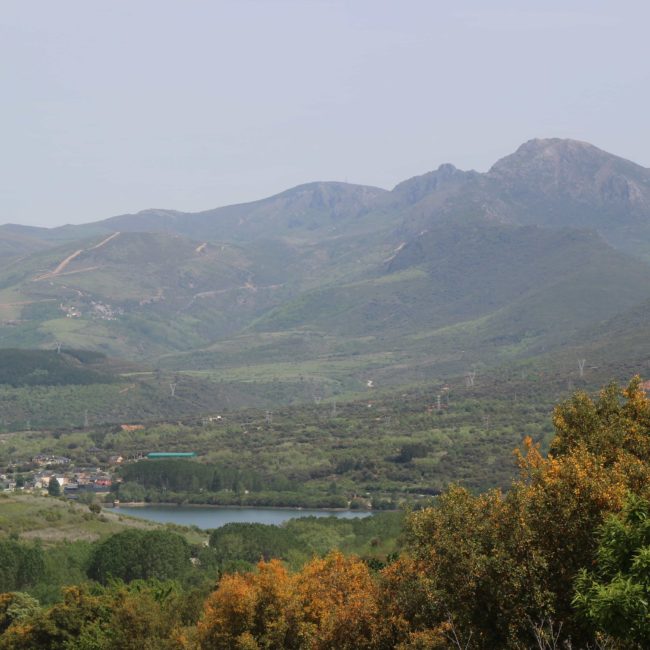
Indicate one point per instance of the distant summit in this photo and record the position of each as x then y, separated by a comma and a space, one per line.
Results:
570, 165
557, 182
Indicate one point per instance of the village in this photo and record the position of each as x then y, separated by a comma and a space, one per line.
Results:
61, 476
38, 474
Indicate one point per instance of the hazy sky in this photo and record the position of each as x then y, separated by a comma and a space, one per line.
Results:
112, 107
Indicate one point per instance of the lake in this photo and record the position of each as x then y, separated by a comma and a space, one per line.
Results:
213, 516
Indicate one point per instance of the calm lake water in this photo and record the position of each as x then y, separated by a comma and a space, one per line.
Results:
214, 517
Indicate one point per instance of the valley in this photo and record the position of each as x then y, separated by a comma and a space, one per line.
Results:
335, 296
462, 356
324, 326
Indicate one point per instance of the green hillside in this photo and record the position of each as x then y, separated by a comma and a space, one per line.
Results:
52, 368
620, 343
489, 289
127, 293
328, 286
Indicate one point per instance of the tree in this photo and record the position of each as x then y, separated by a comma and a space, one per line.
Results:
140, 616
251, 610
338, 599
138, 554
54, 487
490, 564
251, 542
21, 565
330, 605
15, 607
615, 597
600, 454
476, 564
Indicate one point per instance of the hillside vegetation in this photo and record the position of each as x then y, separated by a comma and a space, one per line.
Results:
52, 368
448, 270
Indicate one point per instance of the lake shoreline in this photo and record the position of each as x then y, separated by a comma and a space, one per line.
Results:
144, 504
207, 517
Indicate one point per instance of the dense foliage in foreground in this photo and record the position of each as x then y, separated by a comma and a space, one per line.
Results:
563, 555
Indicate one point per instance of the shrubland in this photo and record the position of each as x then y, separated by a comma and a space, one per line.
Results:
385, 449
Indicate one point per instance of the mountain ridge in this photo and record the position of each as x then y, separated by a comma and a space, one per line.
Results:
499, 265
550, 182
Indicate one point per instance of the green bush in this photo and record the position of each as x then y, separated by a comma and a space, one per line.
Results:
138, 554
615, 597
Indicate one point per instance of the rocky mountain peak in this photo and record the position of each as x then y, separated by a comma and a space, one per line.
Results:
552, 155
446, 177
557, 168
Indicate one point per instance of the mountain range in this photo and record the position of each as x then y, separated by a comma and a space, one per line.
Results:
546, 253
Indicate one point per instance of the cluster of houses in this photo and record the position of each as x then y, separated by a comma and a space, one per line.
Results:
72, 480
103, 311
70, 311
98, 310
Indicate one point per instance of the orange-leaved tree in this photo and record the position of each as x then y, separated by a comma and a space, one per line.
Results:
600, 454
337, 598
330, 604
488, 567
251, 610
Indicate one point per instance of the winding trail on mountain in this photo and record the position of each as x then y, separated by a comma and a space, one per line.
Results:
104, 241
61, 267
